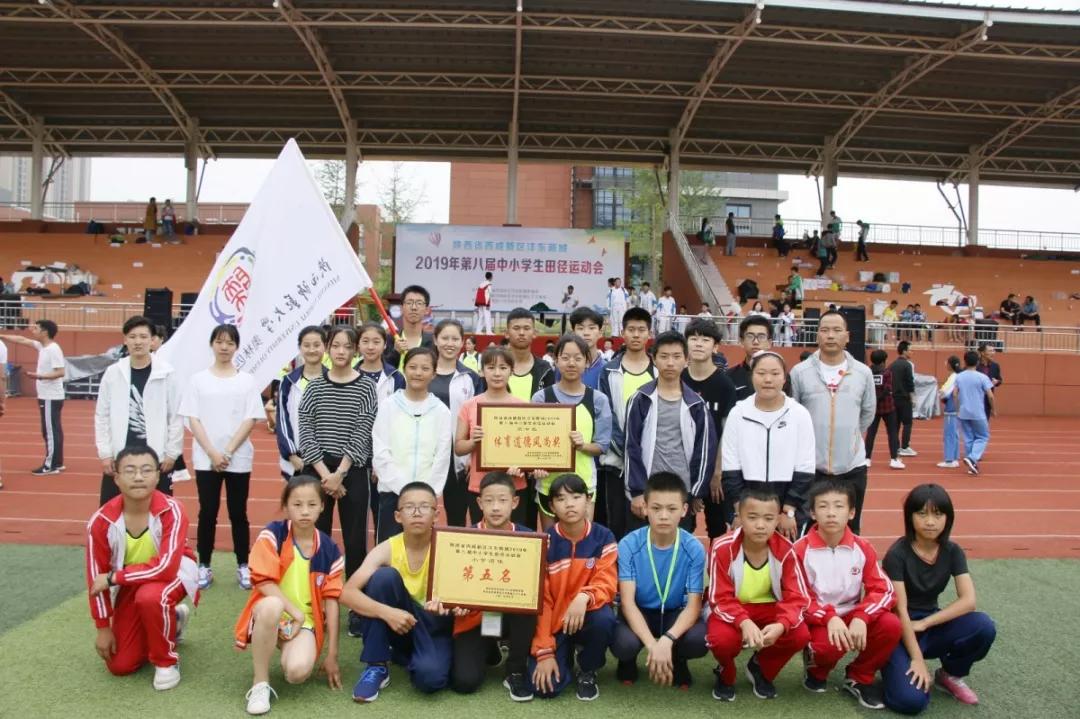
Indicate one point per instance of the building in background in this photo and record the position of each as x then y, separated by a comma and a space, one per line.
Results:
70, 184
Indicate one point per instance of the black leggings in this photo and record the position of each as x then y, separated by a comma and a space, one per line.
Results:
208, 483
891, 432
352, 511
905, 418
458, 500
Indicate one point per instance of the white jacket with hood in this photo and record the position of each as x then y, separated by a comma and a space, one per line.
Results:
410, 442
161, 404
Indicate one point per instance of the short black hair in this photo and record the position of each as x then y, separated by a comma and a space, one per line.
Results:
983, 346
878, 356
139, 321
417, 290
569, 483
825, 486
902, 347
498, 479
833, 313
671, 337
417, 487
971, 358
317, 330
301, 480
701, 327
133, 450
637, 314
665, 482
755, 321
488, 275
160, 331
934, 496
761, 493
226, 330
585, 314
48, 327
425, 351
518, 313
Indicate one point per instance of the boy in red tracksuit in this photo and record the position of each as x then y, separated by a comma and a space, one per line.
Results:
582, 578
851, 598
757, 597
138, 568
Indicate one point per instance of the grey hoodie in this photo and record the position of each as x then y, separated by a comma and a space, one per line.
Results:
839, 419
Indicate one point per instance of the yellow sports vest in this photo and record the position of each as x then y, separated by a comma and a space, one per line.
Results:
583, 463
296, 586
416, 583
756, 585
520, 385
139, 550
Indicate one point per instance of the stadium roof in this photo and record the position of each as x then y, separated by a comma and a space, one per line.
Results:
888, 88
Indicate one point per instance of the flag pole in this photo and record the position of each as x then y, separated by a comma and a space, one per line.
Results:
382, 311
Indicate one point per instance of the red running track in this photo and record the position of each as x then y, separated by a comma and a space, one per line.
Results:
1026, 503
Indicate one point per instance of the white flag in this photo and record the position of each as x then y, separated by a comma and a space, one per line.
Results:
288, 265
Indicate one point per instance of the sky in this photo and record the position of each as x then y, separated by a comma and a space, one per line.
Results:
876, 201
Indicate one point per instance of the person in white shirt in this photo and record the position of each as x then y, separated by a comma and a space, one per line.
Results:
49, 383
618, 302
647, 301
483, 306
138, 403
665, 311
221, 406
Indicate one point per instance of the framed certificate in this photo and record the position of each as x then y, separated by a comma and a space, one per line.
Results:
526, 436
487, 570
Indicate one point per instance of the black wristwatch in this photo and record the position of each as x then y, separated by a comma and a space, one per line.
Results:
109, 579
669, 636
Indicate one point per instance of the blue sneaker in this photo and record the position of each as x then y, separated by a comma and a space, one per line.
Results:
375, 678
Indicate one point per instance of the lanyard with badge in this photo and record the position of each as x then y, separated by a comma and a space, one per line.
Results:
663, 593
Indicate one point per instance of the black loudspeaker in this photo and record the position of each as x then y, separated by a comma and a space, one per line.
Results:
157, 306
808, 327
856, 324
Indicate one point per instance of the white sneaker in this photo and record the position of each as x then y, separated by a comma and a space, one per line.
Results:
206, 576
243, 577
907, 452
258, 698
181, 475
896, 464
868, 463
183, 613
949, 465
166, 677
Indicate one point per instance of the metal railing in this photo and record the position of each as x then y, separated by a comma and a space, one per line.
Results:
893, 234
120, 212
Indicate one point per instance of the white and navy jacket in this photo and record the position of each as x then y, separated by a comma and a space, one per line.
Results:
286, 427
611, 384
845, 581
769, 447
698, 439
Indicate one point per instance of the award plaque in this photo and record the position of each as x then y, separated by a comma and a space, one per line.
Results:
488, 570
526, 436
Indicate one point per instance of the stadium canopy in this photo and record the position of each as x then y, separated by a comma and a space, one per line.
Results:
868, 87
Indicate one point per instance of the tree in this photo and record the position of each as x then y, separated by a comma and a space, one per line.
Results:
330, 174
399, 196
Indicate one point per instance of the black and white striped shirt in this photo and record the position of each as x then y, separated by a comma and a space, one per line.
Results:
336, 420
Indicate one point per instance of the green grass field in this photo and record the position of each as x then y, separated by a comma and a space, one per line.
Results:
48, 667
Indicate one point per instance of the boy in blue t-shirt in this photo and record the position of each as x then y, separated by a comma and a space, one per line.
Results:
661, 580
976, 405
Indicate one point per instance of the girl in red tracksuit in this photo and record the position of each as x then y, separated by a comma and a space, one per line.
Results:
757, 597
138, 568
851, 598
296, 572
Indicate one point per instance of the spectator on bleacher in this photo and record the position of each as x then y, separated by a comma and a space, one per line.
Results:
919, 325
860, 249
778, 236
891, 316
706, 311
835, 226
757, 310
150, 220
886, 410
1010, 309
838, 390
813, 242
168, 222
831, 242
729, 229
795, 288
903, 383
907, 317
706, 233
1030, 311
990, 368
786, 326
822, 252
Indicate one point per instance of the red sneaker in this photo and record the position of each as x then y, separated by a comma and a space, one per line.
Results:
955, 686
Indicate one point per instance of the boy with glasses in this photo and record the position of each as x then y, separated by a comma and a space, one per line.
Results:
755, 335
415, 301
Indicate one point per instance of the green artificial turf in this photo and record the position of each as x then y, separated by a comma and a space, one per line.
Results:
48, 667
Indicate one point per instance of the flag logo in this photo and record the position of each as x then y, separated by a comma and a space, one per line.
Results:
232, 285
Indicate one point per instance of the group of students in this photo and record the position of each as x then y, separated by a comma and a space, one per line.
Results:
391, 428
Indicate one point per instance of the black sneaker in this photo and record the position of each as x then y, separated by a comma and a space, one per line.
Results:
818, 686
869, 695
586, 686
627, 672
519, 688
763, 688
681, 676
356, 625
43, 471
722, 692
972, 465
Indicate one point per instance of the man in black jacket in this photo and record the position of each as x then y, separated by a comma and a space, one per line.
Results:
903, 381
990, 368
755, 335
